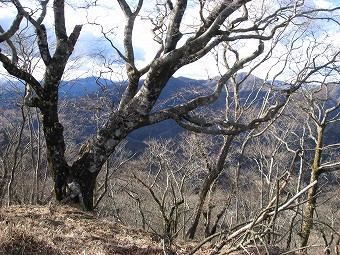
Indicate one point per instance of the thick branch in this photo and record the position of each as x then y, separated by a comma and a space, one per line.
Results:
59, 20
174, 34
11, 31
43, 12
130, 17
43, 44
179, 110
21, 74
132, 71
73, 38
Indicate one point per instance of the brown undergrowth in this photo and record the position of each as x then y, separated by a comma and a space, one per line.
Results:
65, 230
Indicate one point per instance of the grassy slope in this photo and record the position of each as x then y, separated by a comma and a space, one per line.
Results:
66, 230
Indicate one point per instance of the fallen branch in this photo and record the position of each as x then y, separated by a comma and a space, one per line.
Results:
263, 216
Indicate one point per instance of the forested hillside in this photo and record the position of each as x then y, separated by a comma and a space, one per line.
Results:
210, 126
177, 161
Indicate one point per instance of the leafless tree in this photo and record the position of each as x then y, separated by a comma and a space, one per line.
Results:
322, 111
10, 158
218, 26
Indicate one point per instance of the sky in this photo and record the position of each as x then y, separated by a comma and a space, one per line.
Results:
92, 45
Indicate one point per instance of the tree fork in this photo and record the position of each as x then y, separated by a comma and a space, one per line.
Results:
84, 172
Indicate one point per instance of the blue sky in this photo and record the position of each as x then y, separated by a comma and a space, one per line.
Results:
108, 14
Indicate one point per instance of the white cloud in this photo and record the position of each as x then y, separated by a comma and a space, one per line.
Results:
324, 3
109, 16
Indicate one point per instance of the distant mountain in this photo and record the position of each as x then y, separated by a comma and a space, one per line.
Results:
91, 86
79, 87
76, 94
178, 90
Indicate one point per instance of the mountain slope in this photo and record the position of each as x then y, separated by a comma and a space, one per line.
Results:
77, 94
65, 230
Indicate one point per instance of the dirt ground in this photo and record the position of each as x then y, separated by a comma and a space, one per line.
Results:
66, 230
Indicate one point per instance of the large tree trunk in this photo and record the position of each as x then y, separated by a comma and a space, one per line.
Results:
55, 146
84, 173
123, 121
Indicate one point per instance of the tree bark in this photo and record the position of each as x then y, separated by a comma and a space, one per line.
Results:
55, 146
311, 202
121, 122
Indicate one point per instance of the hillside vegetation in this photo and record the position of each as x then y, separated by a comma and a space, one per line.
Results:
97, 110
156, 180
66, 230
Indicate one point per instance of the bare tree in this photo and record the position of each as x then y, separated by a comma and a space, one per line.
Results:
166, 187
46, 94
322, 111
218, 26
10, 158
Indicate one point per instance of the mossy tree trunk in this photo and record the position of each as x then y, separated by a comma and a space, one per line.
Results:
312, 192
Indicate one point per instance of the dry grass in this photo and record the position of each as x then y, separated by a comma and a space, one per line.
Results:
273, 250
66, 230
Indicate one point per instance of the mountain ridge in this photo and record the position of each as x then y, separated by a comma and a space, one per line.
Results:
75, 94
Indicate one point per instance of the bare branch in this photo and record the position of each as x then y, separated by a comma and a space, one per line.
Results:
40, 29
12, 47
179, 111
329, 167
21, 74
5, 35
